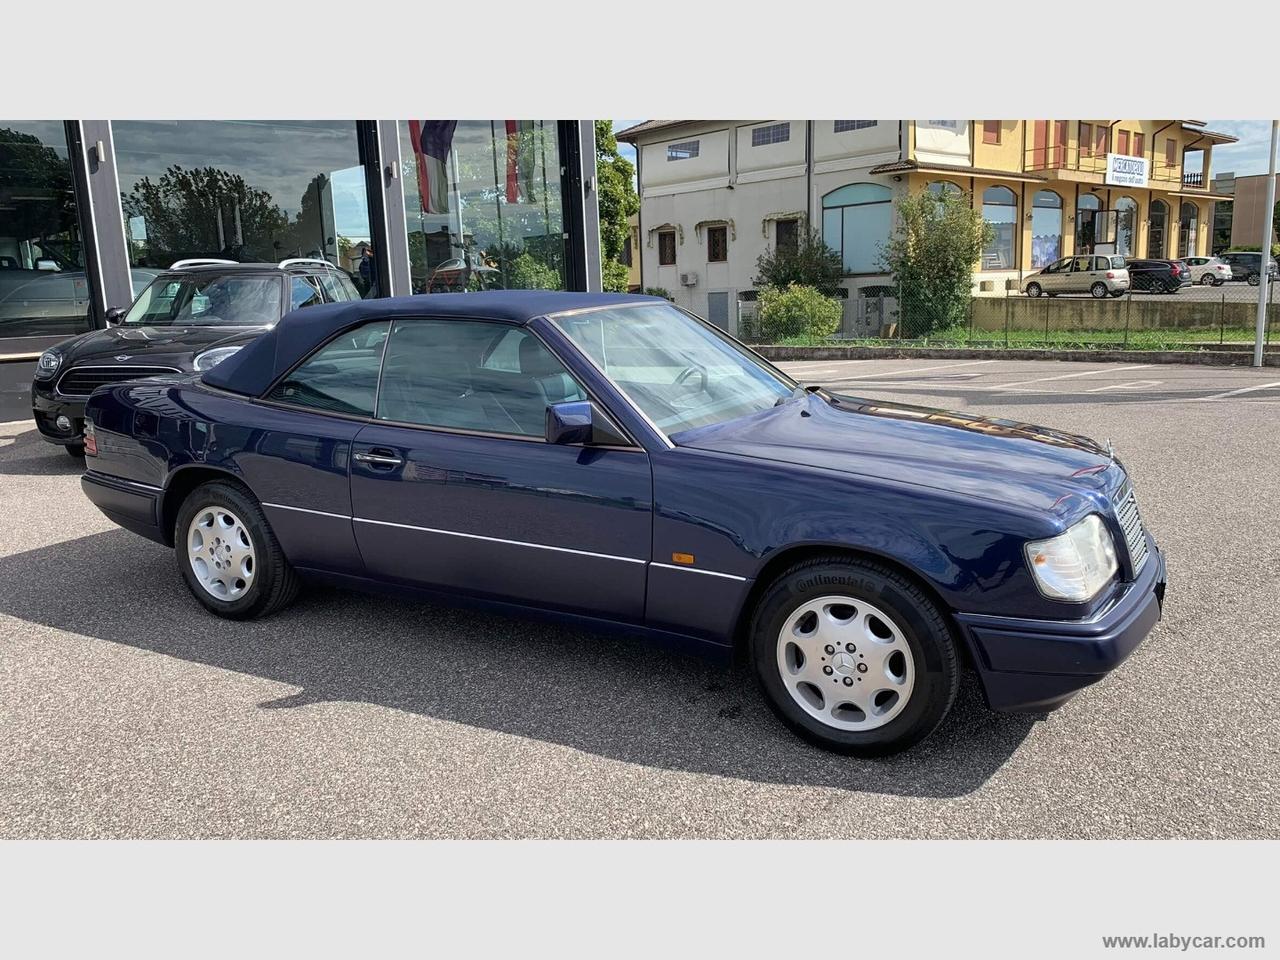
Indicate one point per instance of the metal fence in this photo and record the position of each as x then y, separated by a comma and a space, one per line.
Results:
1192, 317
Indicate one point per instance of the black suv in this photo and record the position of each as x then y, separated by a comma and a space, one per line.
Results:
1157, 276
1247, 266
190, 317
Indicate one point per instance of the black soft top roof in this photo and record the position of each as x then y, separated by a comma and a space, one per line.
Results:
255, 367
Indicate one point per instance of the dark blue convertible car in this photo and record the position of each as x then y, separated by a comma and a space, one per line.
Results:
615, 460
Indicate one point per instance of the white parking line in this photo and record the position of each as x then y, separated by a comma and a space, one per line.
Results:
1236, 393
941, 366
1069, 376
1131, 385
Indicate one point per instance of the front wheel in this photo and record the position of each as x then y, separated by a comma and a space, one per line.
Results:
228, 555
1254, 279
75, 450
853, 657
1099, 290
1034, 290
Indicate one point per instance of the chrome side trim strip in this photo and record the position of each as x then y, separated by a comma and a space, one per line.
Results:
708, 573
98, 477
514, 543
318, 513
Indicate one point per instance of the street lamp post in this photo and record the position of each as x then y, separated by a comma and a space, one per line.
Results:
1264, 284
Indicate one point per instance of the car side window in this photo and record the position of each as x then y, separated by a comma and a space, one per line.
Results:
340, 377
337, 287
1082, 264
471, 375
303, 292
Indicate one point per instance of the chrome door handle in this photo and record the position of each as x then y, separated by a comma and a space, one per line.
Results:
378, 460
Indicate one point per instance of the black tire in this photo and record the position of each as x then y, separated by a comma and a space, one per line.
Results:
922, 625
1254, 279
1218, 281
1099, 290
1206, 280
275, 583
75, 450
1034, 290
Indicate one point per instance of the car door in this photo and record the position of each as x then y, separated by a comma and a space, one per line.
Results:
1053, 277
1080, 277
453, 486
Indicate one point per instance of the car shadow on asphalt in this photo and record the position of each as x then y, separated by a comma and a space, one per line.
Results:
27, 454
616, 697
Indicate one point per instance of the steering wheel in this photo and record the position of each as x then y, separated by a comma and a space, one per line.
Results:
688, 372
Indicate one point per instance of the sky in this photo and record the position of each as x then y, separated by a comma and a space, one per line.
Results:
1243, 158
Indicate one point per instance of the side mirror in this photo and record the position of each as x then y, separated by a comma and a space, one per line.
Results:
115, 316
578, 421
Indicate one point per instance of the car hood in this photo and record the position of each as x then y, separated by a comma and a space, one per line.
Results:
142, 345
1001, 460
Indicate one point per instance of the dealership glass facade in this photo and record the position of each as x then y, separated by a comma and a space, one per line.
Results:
43, 286
90, 211
483, 204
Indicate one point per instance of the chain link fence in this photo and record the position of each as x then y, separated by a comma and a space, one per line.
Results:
1198, 316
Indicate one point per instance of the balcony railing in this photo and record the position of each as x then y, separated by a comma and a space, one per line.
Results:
1068, 157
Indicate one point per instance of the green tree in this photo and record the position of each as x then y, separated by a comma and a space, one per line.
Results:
939, 238
812, 264
203, 211
35, 189
617, 199
797, 311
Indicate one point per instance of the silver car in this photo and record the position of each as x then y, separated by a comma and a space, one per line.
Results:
1098, 274
1209, 270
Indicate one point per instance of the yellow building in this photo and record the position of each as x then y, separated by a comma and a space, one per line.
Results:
1053, 188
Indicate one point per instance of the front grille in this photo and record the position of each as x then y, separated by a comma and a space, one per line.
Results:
1135, 536
82, 381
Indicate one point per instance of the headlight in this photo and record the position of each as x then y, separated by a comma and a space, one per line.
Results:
48, 364
1074, 565
211, 358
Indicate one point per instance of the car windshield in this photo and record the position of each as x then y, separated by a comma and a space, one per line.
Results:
208, 302
679, 372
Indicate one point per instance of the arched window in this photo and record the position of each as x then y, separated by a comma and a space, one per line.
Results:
856, 220
1046, 228
1126, 226
1187, 224
941, 187
1088, 213
1000, 209
1156, 246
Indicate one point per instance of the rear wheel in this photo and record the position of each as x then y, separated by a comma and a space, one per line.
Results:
1254, 279
1206, 279
1034, 290
1099, 290
228, 556
853, 657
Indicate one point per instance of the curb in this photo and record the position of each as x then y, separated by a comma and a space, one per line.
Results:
1215, 358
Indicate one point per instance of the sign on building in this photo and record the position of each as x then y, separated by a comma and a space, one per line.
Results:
1123, 171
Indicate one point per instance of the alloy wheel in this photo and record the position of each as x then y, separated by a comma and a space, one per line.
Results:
846, 663
221, 553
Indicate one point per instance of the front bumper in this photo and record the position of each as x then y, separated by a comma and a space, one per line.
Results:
1038, 665
47, 406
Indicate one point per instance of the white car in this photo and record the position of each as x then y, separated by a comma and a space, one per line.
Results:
1208, 271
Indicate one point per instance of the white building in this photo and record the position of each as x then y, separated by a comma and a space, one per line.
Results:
716, 193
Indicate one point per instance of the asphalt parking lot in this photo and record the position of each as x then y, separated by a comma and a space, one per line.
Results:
128, 711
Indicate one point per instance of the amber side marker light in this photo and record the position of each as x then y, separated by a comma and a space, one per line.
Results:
685, 558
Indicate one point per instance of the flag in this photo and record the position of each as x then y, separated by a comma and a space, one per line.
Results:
521, 161
432, 141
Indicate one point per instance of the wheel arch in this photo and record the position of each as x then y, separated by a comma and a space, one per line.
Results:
181, 483
789, 556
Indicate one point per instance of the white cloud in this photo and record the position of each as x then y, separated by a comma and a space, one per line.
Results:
1249, 156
